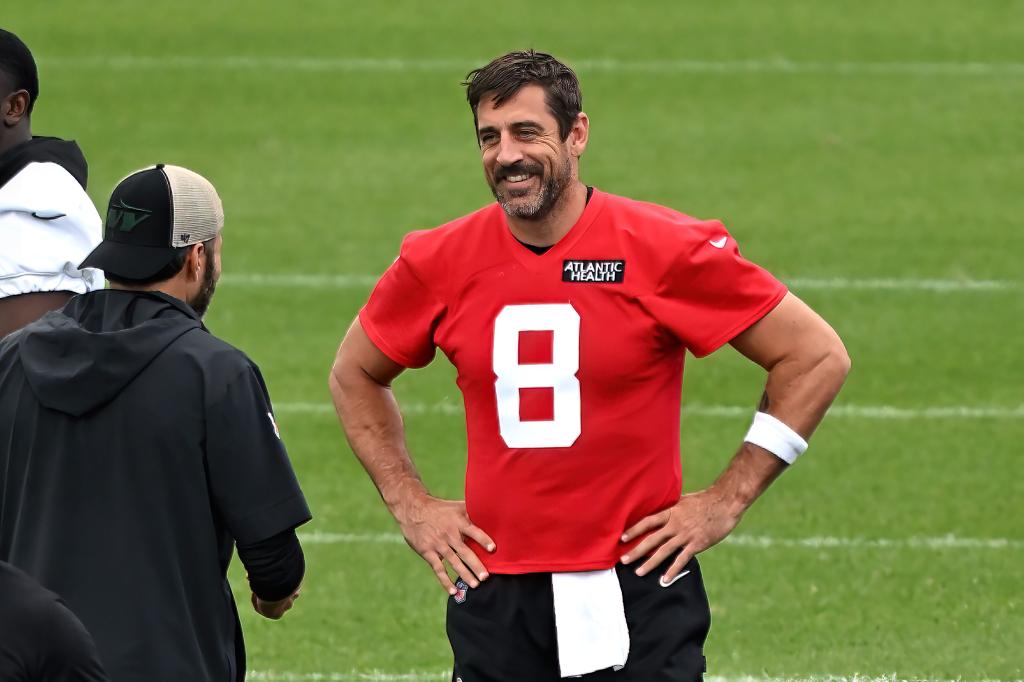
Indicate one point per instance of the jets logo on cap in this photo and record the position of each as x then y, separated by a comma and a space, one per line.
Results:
124, 217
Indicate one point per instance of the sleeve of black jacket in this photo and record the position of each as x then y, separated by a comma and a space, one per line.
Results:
275, 566
252, 482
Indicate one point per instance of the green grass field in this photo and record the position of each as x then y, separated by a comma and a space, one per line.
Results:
858, 150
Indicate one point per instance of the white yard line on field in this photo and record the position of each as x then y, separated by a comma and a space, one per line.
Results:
364, 281
940, 542
903, 284
725, 411
299, 281
462, 65
350, 676
432, 676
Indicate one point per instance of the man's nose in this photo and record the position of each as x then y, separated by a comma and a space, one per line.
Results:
508, 151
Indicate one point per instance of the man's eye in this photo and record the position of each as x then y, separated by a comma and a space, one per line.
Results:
527, 134
488, 139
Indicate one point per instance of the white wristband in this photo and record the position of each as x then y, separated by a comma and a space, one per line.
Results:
775, 437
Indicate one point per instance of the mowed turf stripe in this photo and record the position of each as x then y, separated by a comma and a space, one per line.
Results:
426, 675
847, 411
363, 281
651, 66
940, 542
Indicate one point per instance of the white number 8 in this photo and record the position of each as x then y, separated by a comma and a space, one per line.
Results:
562, 320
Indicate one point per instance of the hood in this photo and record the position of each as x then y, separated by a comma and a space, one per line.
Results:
64, 153
79, 358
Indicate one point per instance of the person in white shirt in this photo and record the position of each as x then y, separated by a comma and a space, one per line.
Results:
48, 224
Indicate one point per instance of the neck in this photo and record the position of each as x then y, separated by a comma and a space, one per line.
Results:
172, 287
12, 137
556, 224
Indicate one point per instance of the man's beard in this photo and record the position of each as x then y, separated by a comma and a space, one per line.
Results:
201, 301
551, 190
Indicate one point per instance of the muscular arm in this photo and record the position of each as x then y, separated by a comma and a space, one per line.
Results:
806, 364
360, 383
18, 311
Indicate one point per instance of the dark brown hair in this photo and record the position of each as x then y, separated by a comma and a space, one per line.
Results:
506, 75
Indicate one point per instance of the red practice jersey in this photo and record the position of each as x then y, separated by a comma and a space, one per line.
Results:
570, 363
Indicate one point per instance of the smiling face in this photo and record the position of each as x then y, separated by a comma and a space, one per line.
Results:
526, 163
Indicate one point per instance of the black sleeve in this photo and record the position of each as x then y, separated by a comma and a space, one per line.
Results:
275, 565
251, 479
71, 655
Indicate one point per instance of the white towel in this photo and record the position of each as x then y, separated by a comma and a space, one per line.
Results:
590, 621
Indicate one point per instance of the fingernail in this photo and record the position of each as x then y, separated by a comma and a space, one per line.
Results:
625, 558
639, 571
452, 591
474, 584
490, 547
625, 537
483, 576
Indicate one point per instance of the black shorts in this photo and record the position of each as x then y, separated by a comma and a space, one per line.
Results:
504, 630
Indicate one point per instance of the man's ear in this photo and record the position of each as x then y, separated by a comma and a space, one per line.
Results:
194, 261
579, 135
15, 107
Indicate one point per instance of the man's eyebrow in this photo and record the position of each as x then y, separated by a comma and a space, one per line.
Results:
517, 125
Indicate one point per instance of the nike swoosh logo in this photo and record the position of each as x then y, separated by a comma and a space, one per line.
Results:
719, 243
661, 581
48, 217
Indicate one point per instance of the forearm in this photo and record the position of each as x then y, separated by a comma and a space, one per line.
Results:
801, 385
275, 566
373, 426
800, 390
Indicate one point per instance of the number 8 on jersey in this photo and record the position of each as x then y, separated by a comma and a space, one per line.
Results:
562, 320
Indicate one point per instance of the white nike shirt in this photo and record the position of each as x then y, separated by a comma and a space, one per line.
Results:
48, 225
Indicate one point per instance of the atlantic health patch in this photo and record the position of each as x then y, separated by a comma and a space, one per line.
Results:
601, 271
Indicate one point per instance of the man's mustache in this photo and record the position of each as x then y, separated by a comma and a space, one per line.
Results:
520, 168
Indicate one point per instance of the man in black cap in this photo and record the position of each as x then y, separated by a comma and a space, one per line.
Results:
47, 221
139, 448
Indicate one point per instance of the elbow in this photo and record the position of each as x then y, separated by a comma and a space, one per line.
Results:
838, 361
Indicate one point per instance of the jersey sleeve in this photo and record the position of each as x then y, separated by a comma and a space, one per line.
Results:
402, 315
710, 293
251, 479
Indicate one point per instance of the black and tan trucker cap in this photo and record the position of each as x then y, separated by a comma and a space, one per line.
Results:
152, 213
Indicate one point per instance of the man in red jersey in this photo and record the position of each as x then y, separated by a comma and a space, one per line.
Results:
567, 313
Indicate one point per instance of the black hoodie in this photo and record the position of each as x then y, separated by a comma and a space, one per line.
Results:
135, 449
64, 153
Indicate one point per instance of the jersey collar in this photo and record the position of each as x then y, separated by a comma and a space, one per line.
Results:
532, 261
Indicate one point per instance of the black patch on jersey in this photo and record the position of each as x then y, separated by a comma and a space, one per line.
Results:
594, 271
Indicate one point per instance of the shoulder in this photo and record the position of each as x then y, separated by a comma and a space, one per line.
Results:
42, 183
440, 257
658, 239
658, 225
218, 358
25, 601
450, 239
